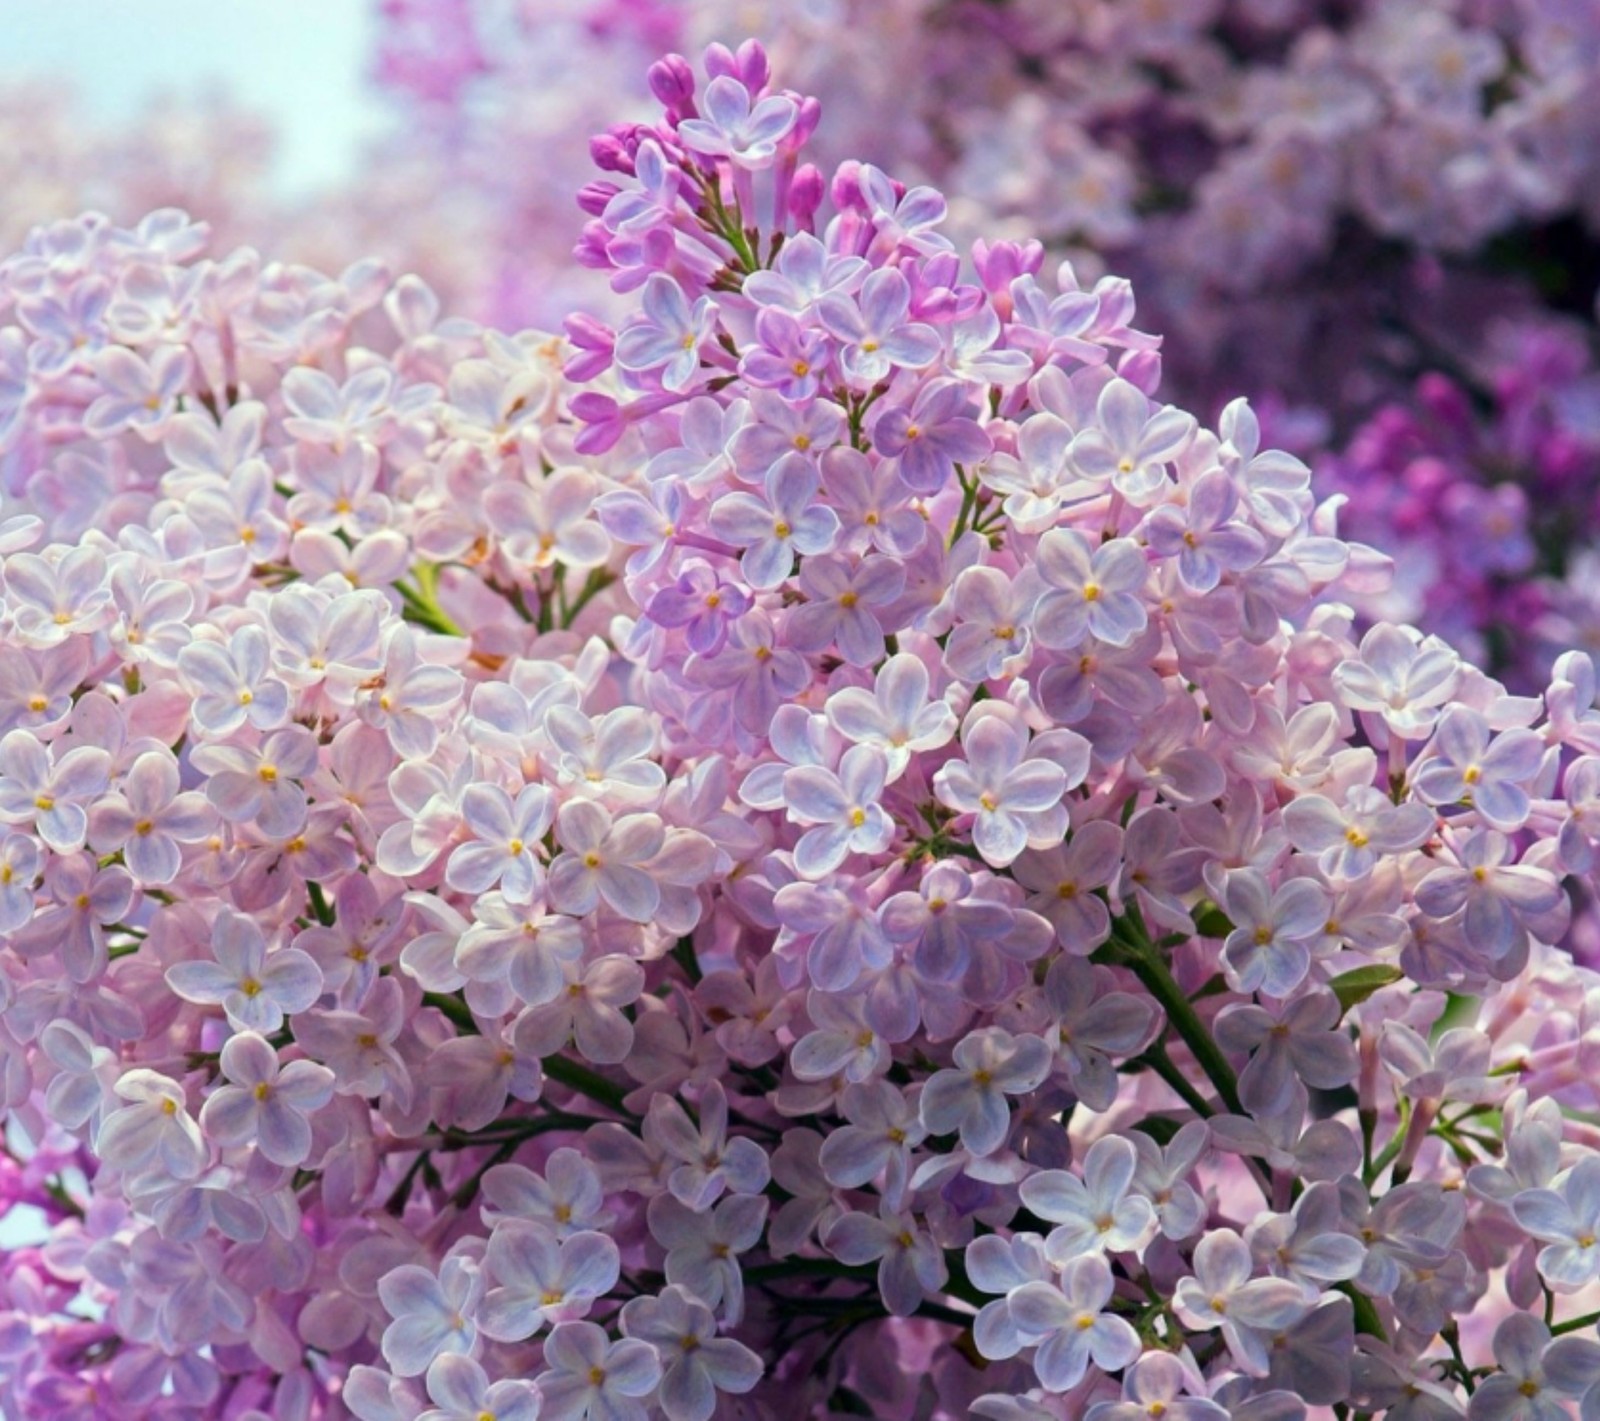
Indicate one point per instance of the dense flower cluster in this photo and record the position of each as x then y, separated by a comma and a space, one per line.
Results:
855, 864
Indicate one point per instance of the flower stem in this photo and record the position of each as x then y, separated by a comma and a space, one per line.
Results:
1135, 951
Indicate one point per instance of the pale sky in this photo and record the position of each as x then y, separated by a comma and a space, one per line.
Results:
302, 63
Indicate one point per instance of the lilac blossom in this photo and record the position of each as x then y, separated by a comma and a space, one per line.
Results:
1015, 796
461, 1391
1095, 590
1402, 678
1465, 768
970, 1096
911, 1266
507, 836
1203, 537
708, 1161
1268, 949
261, 787
669, 335
703, 1247
696, 1363
772, 530
896, 717
151, 819
947, 920
1223, 1293
1061, 883
1128, 443
589, 1376
536, 1278
876, 335
587, 1011
153, 1128
735, 128
432, 1314
929, 442
266, 1104
843, 807
1566, 1220
1071, 1326
234, 683
1350, 840
1499, 898
1096, 1214
256, 988
1089, 1025
703, 605
841, 606
47, 792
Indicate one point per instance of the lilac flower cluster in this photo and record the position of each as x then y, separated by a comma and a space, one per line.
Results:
1325, 205
817, 851
1310, 194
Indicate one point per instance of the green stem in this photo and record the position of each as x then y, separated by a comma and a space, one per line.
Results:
319, 904
1390, 1151
1452, 1337
1152, 971
1157, 1059
1366, 1314
586, 1082
396, 1202
453, 1007
969, 500
424, 612
598, 580
684, 955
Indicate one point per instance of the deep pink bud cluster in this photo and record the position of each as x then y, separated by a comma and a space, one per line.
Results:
1487, 504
